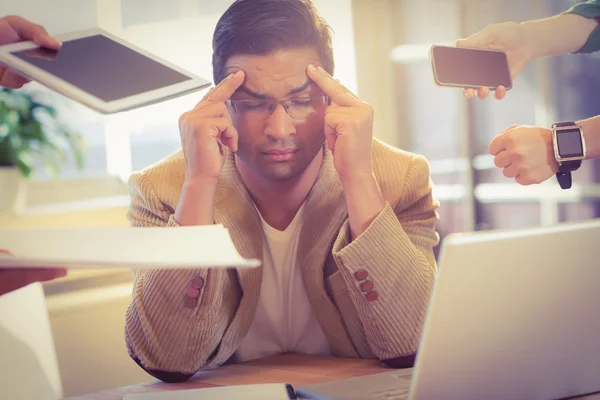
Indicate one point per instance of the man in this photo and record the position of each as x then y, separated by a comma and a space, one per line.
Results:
283, 155
16, 29
526, 153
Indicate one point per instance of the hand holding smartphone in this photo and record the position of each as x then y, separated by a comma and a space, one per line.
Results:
470, 68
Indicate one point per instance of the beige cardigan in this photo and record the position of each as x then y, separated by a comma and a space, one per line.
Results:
396, 250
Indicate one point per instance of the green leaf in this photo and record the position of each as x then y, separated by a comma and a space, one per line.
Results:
4, 131
30, 126
24, 167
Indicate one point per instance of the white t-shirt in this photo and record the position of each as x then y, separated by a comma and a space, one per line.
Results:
284, 321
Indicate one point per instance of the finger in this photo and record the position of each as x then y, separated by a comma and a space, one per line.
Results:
13, 279
484, 38
330, 130
212, 89
337, 92
29, 31
229, 137
502, 159
210, 110
11, 79
500, 92
510, 171
222, 129
523, 180
469, 93
473, 41
497, 145
483, 92
331, 137
510, 128
225, 89
465, 42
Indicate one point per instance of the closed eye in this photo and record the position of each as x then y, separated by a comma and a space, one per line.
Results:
252, 105
301, 101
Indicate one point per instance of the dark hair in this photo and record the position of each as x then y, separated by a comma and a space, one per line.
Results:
259, 27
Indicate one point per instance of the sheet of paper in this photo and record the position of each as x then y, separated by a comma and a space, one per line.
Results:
386, 385
181, 247
27, 356
267, 391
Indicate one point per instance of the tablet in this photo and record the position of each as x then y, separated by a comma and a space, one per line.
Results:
101, 71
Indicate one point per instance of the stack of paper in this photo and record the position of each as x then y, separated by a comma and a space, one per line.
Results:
386, 385
181, 247
266, 391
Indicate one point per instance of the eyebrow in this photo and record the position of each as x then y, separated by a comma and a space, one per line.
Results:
298, 89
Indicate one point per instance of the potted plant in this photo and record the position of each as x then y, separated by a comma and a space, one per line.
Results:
32, 135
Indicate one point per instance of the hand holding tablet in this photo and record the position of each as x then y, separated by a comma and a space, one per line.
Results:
92, 67
15, 29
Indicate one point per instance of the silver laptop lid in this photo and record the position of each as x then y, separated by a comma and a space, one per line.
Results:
514, 315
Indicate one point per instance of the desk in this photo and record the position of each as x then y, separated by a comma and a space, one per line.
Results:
296, 369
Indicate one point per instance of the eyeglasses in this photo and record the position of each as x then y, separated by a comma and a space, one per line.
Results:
297, 108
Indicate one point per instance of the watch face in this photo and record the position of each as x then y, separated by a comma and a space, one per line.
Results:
569, 143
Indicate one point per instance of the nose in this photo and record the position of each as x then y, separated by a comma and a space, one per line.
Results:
279, 124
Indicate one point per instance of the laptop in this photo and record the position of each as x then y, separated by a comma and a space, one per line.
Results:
515, 314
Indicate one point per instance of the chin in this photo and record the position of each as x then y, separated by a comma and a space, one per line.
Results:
280, 172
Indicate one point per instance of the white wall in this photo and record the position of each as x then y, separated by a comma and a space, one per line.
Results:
88, 329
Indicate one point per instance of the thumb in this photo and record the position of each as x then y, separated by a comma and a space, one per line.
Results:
465, 42
45, 40
473, 41
331, 136
482, 39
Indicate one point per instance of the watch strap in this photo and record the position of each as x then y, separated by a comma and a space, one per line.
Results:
568, 166
563, 176
564, 179
563, 123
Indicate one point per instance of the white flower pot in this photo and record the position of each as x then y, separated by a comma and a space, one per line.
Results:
13, 189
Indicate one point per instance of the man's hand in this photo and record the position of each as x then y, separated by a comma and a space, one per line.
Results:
208, 127
525, 153
204, 131
13, 279
15, 29
349, 133
348, 127
508, 37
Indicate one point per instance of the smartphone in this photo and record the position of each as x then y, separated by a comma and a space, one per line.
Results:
470, 68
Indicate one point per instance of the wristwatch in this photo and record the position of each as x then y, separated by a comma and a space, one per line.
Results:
569, 150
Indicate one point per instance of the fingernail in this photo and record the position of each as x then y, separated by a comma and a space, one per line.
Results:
312, 68
320, 69
55, 42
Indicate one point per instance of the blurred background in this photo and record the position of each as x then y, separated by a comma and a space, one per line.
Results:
381, 52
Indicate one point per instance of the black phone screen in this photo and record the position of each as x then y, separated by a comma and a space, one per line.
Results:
461, 67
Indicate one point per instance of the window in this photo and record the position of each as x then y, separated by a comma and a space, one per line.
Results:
454, 133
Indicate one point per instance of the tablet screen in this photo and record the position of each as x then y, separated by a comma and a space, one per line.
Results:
103, 68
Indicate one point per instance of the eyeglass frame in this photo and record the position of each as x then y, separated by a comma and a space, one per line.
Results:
274, 103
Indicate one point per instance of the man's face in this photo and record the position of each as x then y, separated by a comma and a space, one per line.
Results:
273, 143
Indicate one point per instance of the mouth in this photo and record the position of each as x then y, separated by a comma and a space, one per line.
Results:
280, 154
